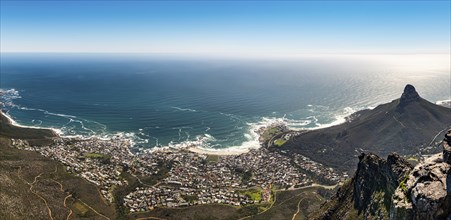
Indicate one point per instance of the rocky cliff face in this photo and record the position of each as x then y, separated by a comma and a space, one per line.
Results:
368, 195
426, 193
409, 95
392, 189
375, 181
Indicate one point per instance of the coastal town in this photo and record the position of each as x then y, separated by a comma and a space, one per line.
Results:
190, 178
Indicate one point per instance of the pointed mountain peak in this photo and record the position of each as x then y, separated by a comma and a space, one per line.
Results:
409, 95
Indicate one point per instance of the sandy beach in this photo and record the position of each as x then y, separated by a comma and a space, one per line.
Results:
14, 123
221, 152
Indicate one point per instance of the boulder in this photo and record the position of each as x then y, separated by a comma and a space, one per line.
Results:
424, 194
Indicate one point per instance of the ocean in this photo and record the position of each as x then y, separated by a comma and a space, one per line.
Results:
213, 103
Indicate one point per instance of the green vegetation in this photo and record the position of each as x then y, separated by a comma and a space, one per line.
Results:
203, 212
253, 194
122, 191
279, 142
286, 204
164, 169
95, 155
80, 209
270, 132
190, 198
19, 168
380, 202
249, 210
403, 184
105, 159
341, 206
246, 176
412, 160
212, 158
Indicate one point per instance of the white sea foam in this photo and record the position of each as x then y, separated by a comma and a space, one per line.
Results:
60, 115
252, 137
203, 143
7, 96
446, 103
10, 94
340, 118
184, 109
13, 122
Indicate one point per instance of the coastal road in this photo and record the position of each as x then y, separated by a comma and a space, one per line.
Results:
312, 186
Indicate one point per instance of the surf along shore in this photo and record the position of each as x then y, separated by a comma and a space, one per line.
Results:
34, 135
41, 135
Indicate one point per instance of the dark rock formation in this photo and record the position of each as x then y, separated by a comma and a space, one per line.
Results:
377, 175
368, 194
447, 147
409, 95
448, 182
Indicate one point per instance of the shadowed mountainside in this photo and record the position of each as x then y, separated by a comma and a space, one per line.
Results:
402, 126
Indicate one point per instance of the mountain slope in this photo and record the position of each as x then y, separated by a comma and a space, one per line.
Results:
401, 126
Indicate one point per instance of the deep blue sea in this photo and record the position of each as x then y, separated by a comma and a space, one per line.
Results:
211, 102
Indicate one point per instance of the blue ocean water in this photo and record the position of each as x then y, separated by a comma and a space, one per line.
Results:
210, 102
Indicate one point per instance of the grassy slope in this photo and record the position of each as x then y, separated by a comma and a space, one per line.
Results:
339, 207
285, 207
18, 170
287, 203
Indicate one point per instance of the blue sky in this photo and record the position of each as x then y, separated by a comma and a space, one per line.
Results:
226, 27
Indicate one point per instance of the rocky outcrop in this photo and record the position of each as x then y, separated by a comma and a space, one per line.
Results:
392, 189
409, 95
426, 191
424, 194
376, 175
368, 194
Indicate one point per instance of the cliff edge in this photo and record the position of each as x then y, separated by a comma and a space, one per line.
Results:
426, 193
393, 189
